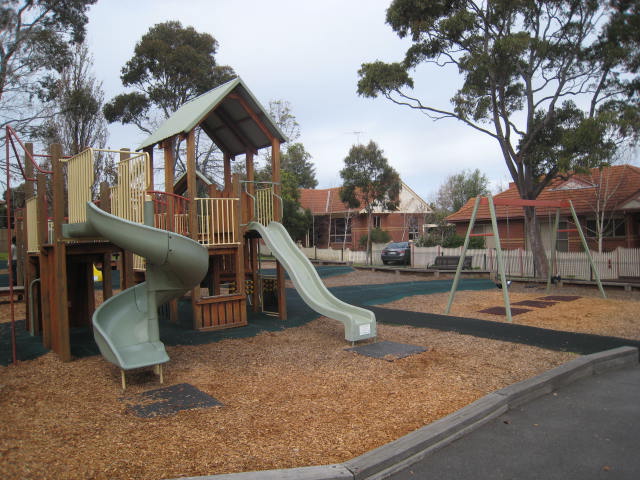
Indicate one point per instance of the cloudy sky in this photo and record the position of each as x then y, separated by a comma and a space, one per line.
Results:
308, 53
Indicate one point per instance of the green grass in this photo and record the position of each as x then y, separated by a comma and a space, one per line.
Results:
3, 255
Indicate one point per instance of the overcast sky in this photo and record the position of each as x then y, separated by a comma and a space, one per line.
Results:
308, 53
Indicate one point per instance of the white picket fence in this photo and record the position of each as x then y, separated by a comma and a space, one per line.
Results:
622, 262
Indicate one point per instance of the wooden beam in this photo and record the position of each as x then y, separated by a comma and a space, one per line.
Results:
519, 202
253, 115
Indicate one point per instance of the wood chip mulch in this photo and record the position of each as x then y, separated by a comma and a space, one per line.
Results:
290, 398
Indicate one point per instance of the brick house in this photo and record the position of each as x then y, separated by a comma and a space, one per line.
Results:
338, 226
612, 192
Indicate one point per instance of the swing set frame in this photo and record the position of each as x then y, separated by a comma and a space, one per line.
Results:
491, 202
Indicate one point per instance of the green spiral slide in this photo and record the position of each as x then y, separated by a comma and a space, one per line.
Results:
126, 325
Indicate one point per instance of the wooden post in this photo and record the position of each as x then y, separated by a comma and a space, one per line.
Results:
149, 151
277, 216
193, 215
105, 197
228, 187
239, 264
191, 184
41, 208
169, 164
43, 239
253, 242
127, 279
60, 337
251, 187
107, 285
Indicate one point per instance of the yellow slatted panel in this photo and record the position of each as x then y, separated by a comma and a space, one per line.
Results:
80, 178
217, 220
32, 225
264, 205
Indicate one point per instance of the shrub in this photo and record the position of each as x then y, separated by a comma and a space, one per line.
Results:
377, 236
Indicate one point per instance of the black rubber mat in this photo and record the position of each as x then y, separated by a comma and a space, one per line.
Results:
503, 311
169, 400
560, 298
386, 350
534, 303
582, 343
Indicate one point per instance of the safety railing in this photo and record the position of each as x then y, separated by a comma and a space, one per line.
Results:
263, 201
80, 179
170, 212
217, 221
128, 196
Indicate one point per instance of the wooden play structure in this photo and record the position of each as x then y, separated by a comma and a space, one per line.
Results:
57, 272
503, 282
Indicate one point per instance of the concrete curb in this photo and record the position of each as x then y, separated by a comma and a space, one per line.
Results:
399, 454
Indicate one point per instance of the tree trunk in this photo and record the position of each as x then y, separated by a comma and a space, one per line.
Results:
369, 253
532, 228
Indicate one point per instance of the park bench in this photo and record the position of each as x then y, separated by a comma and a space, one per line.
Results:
450, 262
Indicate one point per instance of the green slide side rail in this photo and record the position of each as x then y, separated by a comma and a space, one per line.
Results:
126, 325
359, 323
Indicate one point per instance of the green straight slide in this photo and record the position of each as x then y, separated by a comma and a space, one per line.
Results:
359, 323
125, 326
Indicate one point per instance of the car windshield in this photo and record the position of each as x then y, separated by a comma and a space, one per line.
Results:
398, 245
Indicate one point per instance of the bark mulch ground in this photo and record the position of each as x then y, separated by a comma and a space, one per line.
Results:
292, 397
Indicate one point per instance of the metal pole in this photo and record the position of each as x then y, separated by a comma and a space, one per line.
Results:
456, 278
586, 249
14, 350
500, 260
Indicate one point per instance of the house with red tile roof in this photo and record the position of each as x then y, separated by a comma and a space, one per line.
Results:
338, 226
612, 193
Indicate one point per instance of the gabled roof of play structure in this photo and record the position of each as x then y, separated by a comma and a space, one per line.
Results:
223, 117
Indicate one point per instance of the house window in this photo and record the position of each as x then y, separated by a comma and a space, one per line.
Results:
377, 221
613, 227
562, 243
414, 233
340, 230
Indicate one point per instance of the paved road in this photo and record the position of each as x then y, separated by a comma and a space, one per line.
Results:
587, 430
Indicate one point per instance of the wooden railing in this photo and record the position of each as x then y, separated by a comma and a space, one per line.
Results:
80, 179
264, 211
170, 212
128, 194
218, 221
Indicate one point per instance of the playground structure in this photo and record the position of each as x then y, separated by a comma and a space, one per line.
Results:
60, 243
504, 283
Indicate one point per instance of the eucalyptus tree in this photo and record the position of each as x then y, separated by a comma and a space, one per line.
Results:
553, 82
36, 37
171, 65
369, 182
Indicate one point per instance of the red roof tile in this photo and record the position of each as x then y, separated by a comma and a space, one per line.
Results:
322, 201
619, 183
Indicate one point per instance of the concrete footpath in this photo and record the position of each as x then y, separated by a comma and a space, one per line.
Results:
578, 421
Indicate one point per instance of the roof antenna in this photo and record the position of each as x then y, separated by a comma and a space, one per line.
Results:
357, 134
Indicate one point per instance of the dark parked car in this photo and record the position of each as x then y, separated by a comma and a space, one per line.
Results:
398, 252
